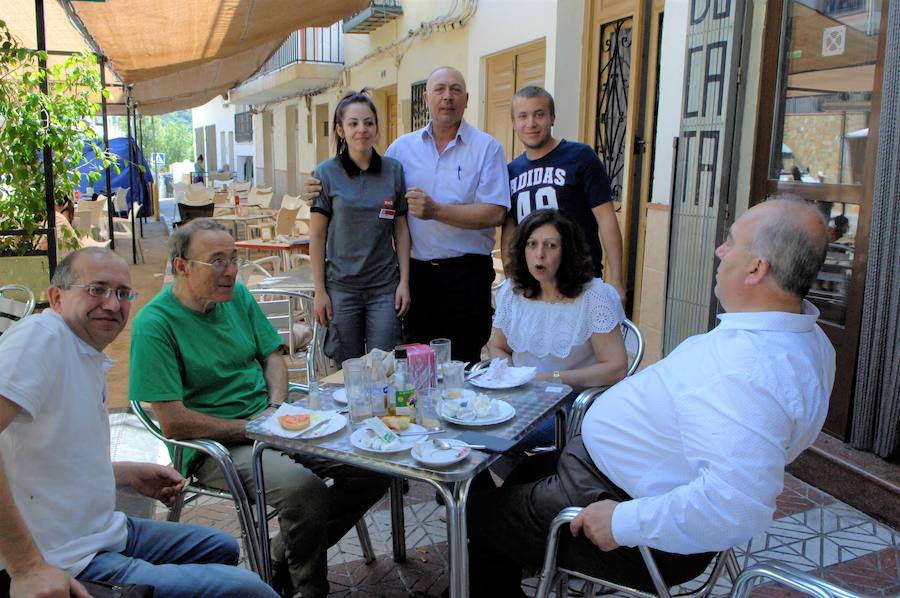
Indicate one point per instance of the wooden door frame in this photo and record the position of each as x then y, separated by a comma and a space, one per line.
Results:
630, 217
840, 412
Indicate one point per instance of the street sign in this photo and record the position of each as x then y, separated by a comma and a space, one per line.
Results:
158, 158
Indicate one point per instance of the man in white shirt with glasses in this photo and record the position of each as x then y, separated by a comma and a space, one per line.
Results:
57, 483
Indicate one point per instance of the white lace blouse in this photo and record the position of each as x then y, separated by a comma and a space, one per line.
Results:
556, 336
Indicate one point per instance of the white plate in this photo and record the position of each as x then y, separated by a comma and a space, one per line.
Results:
427, 454
340, 396
335, 423
480, 381
406, 442
505, 411
468, 393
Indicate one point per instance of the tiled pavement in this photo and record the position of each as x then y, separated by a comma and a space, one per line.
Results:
812, 532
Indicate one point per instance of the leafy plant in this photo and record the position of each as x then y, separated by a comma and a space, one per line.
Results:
70, 101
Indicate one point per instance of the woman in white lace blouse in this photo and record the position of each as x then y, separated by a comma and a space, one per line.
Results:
551, 313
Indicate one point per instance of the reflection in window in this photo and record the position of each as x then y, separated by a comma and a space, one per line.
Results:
825, 91
829, 291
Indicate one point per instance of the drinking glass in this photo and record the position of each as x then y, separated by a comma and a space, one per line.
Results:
357, 390
454, 379
427, 406
441, 348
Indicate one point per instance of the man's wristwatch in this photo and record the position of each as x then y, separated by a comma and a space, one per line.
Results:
556, 375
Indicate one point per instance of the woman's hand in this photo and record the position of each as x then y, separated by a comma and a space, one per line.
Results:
401, 299
322, 303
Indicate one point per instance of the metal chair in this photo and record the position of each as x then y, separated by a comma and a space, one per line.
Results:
12, 308
788, 576
284, 309
551, 572
235, 493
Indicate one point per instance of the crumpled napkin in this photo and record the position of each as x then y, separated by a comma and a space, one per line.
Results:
272, 426
499, 373
386, 357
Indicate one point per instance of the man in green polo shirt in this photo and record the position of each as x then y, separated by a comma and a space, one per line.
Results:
204, 353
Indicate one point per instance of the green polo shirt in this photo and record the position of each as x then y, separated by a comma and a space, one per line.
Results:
211, 361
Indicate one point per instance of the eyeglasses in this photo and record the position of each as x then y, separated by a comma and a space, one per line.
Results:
220, 264
97, 290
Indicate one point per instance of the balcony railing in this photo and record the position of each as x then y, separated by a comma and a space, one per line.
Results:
373, 17
313, 44
243, 126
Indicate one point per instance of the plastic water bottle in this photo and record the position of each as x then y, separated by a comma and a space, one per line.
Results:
315, 401
379, 388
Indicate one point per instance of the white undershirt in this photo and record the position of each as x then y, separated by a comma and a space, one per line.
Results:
700, 439
56, 451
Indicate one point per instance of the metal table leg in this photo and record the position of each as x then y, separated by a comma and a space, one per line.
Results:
457, 535
398, 525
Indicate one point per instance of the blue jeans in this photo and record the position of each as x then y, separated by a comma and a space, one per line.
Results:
363, 320
178, 560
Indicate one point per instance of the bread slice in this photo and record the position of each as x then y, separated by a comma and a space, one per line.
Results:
294, 423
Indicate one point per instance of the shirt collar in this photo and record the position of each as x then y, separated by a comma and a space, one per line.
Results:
771, 320
462, 133
352, 169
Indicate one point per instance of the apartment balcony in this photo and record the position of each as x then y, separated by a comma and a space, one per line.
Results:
373, 17
310, 58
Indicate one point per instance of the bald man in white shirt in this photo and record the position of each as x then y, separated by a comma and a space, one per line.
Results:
687, 456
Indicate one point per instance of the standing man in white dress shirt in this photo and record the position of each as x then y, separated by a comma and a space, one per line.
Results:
688, 456
457, 194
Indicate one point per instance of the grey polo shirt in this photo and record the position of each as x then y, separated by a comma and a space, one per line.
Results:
360, 206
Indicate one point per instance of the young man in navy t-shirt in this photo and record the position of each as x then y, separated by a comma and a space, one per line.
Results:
561, 175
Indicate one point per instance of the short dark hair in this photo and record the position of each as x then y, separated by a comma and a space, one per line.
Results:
351, 97
575, 266
533, 91
180, 240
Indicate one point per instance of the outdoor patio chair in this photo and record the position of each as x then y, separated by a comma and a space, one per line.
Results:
261, 198
188, 212
552, 574
194, 489
120, 200
282, 224
250, 272
122, 230
787, 576
16, 302
292, 314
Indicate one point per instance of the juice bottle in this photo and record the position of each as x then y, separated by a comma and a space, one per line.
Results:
404, 389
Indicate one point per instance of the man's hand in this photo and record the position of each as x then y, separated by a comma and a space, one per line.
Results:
156, 481
420, 204
312, 188
596, 521
45, 581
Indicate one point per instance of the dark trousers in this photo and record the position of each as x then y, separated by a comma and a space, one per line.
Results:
451, 298
508, 528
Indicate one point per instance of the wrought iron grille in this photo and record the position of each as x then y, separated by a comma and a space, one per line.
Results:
612, 99
419, 110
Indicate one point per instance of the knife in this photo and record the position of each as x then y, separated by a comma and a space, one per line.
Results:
318, 424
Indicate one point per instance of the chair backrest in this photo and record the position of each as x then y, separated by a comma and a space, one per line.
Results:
787, 576
261, 198
291, 201
189, 212
120, 200
284, 221
241, 187
16, 302
283, 308
634, 345
246, 269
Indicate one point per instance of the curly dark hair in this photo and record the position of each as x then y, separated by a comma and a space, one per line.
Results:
575, 267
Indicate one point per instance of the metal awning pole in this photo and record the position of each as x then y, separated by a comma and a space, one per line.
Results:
110, 205
50, 204
131, 167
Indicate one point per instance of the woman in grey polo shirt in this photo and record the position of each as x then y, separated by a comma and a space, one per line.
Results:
359, 238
